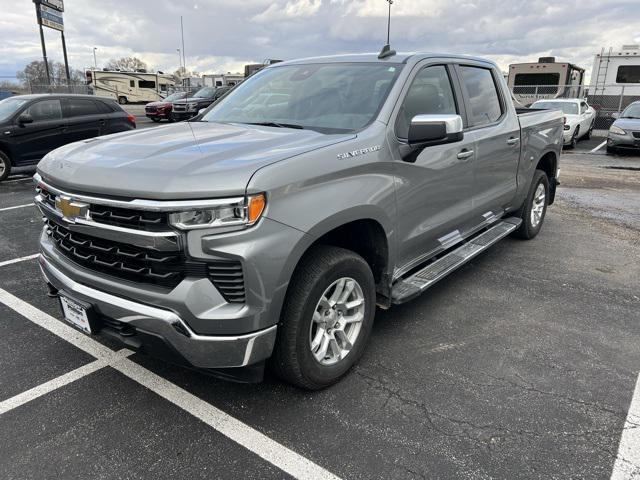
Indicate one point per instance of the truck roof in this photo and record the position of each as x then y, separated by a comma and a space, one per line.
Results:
411, 57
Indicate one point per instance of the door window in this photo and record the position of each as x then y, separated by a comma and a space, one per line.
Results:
45, 110
430, 93
79, 107
484, 101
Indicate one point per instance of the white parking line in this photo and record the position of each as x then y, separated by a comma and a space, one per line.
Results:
598, 147
62, 380
17, 206
627, 464
21, 259
277, 454
16, 180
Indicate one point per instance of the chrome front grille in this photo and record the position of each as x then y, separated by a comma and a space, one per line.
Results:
136, 264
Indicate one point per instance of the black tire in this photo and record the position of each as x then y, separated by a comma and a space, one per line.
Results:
574, 138
5, 166
587, 136
293, 360
122, 100
611, 150
527, 229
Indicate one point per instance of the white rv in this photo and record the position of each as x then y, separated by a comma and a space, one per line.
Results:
222, 79
615, 79
545, 79
130, 87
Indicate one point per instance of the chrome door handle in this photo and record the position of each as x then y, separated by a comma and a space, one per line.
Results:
513, 141
465, 154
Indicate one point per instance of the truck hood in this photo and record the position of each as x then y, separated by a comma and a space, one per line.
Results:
184, 160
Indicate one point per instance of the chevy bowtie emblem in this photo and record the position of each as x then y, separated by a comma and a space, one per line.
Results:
71, 209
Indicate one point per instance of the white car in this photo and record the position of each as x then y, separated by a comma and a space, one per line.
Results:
579, 116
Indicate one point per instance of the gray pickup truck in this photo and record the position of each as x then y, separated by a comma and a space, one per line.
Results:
268, 229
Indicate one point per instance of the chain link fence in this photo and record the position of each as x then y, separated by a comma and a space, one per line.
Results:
605, 99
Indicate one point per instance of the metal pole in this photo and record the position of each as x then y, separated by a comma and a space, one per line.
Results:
66, 61
389, 21
179, 60
44, 49
620, 102
95, 62
184, 58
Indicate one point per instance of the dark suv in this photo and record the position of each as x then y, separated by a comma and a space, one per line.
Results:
190, 106
33, 125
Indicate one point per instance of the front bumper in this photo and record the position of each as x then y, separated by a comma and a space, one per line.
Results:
566, 135
158, 114
179, 116
623, 141
161, 332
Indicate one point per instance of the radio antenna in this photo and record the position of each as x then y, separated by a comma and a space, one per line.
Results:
389, 20
386, 50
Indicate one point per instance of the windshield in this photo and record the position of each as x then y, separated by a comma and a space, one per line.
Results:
330, 98
206, 92
175, 96
568, 108
632, 111
9, 106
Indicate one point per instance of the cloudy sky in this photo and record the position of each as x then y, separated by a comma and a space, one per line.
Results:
223, 35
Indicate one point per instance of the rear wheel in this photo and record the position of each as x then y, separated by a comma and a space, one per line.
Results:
5, 166
122, 100
326, 319
534, 208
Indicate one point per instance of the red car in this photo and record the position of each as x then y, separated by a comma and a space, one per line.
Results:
156, 111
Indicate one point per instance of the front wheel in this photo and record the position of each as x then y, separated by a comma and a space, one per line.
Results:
534, 208
5, 166
587, 135
326, 319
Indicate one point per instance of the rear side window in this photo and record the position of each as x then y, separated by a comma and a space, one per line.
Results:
103, 107
146, 84
484, 101
45, 110
79, 107
430, 93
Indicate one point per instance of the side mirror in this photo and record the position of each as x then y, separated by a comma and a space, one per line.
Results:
201, 111
429, 130
615, 115
25, 118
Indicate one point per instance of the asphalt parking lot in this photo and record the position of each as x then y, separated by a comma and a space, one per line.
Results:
523, 364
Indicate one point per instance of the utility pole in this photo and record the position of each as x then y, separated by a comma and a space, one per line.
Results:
66, 61
179, 60
44, 48
95, 62
389, 21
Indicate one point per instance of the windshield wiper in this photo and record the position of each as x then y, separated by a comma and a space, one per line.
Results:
634, 118
276, 124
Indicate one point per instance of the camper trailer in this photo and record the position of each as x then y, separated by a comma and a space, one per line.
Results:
615, 81
130, 87
545, 79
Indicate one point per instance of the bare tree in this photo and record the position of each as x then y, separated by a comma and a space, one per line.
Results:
36, 74
130, 64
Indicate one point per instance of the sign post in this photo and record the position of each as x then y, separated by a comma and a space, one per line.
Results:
49, 14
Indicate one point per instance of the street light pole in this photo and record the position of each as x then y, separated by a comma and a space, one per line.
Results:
179, 60
95, 62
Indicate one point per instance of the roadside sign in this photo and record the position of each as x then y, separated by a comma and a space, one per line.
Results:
50, 17
56, 4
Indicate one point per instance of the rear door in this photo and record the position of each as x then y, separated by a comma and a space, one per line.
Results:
434, 189
32, 141
84, 118
494, 125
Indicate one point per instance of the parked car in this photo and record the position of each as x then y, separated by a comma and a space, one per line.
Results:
624, 134
580, 117
190, 106
33, 125
272, 233
162, 109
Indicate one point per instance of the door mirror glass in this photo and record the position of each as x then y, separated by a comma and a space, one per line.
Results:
615, 114
201, 111
25, 118
427, 130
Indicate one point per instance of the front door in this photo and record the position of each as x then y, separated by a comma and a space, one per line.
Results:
435, 188
32, 141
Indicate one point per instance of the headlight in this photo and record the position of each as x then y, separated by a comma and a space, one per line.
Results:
617, 130
242, 213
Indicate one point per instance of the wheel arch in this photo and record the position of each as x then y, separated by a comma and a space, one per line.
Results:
548, 163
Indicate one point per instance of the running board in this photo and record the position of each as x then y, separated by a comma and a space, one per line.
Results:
408, 288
